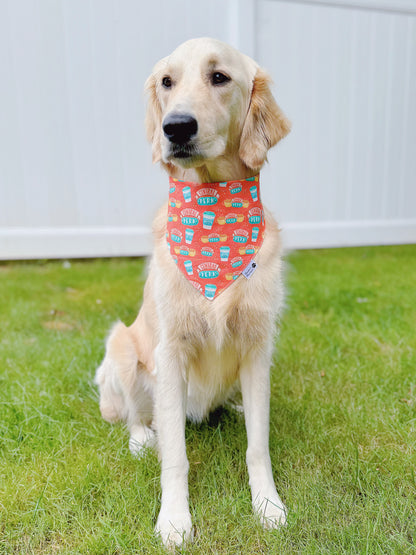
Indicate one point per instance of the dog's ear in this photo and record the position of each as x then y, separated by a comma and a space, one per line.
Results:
265, 123
153, 120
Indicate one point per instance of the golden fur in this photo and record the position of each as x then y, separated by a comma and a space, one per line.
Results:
182, 346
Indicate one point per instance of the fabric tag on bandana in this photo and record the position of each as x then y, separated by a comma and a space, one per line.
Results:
214, 231
249, 270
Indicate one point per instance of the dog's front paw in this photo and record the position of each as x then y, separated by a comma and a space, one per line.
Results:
271, 511
174, 528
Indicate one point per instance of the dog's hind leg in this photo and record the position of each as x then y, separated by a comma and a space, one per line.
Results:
126, 388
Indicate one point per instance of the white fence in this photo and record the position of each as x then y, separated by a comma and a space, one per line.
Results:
75, 172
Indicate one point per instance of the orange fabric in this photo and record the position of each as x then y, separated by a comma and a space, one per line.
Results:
214, 230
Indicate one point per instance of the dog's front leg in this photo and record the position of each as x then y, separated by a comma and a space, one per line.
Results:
255, 387
174, 521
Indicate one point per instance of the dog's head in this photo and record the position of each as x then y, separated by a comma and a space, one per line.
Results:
207, 100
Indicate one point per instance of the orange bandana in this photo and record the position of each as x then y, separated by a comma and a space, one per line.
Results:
214, 230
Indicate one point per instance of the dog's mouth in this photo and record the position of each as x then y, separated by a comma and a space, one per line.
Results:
187, 154
193, 153
183, 151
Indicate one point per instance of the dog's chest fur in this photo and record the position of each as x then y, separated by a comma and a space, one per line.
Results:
213, 339
211, 377
213, 351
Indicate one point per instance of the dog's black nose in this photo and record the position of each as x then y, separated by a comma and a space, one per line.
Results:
179, 128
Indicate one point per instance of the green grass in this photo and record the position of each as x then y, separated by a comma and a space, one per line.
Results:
343, 416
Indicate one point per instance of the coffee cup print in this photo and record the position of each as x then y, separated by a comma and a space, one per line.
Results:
188, 267
208, 220
224, 253
189, 235
186, 191
210, 290
253, 192
254, 234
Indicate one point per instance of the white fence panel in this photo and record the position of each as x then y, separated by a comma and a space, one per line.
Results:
349, 84
75, 172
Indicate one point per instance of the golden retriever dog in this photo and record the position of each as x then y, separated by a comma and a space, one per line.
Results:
211, 118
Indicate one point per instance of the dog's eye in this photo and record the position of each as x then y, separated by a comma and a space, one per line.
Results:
219, 78
167, 82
